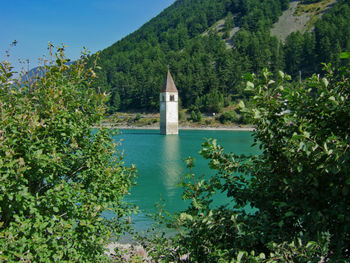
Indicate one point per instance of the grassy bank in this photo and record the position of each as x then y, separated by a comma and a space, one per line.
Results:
137, 120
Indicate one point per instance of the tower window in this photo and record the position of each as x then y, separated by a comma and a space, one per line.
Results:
172, 98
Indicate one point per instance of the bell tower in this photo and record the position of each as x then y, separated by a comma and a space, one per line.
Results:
169, 107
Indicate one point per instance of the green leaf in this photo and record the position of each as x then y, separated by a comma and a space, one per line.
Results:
344, 55
185, 217
262, 256
325, 147
348, 181
241, 104
249, 86
311, 244
332, 98
289, 214
325, 82
281, 74
240, 256
306, 134
300, 168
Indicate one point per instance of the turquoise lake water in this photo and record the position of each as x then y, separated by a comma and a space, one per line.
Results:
160, 165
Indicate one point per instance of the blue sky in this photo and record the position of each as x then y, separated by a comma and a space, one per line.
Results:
95, 24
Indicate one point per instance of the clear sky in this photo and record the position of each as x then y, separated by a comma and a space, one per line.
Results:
95, 24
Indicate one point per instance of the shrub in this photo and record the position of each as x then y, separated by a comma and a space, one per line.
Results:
212, 102
199, 116
196, 116
208, 121
227, 100
137, 117
193, 116
57, 174
230, 116
297, 188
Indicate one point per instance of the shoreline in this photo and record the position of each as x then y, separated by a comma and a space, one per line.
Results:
203, 128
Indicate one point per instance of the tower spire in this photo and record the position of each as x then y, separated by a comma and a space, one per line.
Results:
169, 84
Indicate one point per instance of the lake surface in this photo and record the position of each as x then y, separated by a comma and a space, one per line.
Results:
160, 165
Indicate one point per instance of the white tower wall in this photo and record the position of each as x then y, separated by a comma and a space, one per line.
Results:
169, 113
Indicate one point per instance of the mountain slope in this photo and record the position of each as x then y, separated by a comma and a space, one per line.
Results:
288, 22
300, 16
207, 59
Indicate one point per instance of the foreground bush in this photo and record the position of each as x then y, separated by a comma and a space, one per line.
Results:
57, 174
288, 204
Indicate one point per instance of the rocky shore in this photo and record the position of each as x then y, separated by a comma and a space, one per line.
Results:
127, 253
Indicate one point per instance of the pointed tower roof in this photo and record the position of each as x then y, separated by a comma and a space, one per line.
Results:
169, 85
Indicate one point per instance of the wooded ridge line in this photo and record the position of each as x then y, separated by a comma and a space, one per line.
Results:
207, 73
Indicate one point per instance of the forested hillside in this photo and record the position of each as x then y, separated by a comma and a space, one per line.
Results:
207, 73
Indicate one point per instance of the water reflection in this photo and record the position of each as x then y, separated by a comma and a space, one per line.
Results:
170, 161
158, 160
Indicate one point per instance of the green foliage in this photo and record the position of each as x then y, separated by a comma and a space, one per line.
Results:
193, 116
229, 116
291, 202
305, 52
137, 117
310, 1
296, 251
303, 131
199, 116
213, 102
58, 176
196, 116
201, 63
114, 102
